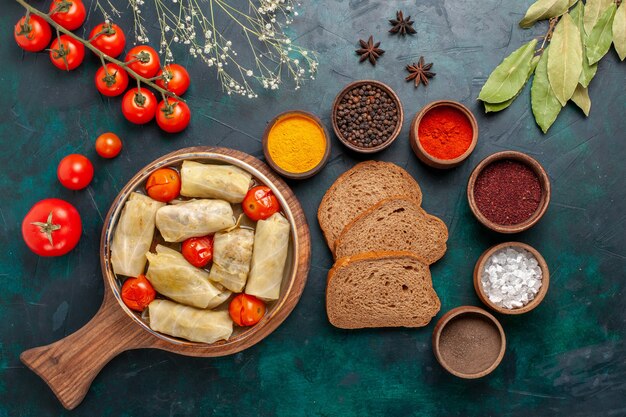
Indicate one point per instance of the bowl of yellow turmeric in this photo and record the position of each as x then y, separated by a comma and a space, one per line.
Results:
296, 144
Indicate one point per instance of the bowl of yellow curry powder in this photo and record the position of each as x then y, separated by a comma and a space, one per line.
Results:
296, 145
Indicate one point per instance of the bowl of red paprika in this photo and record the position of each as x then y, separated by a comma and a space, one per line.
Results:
443, 134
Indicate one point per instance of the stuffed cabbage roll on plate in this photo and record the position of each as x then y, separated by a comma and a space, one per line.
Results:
133, 235
232, 252
189, 323
193, 219
172, 276
225, 182
271, 245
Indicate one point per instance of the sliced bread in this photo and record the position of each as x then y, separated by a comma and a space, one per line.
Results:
358, 189
395, 224
380, 289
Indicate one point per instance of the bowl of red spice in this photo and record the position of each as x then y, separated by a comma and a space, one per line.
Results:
367, 116
443, 134
508, 192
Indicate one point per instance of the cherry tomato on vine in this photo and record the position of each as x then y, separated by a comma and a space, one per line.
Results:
173, 115
108, 145
112, 80
109, 38
52, 227
144, 60
70, 14
163, 185
32, 33
137, 293
66, 53
174, 78
75, 172
198, 251
246, 310
138, 106
260, 203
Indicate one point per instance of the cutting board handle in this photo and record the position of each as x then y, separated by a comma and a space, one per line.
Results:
71, 364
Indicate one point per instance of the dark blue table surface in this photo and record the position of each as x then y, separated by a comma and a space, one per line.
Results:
566, 358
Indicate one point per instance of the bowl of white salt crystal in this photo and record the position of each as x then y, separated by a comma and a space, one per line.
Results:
511, 278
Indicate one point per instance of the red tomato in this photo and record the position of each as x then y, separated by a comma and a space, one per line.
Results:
66, 54
52, 227
260, 203
144, 60
137, 293
111, 81
174, 78
108, 38
198, 250
108, 145
173, 116
32, 33
246, 310
75, 172
163, 185
68, 13
139, 107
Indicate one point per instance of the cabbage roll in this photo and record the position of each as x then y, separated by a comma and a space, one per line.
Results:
189, 323
193, 219
133, 235
232, 252
214, 181
172, 276
268, 257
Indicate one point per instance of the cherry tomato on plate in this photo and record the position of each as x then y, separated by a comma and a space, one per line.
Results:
173, 116
112, 80
109, 38
144, 60
75, 171
108, 145
52, 227
137, 293
246, 310
260, 203
32, 33
66, 53
163, 185
174, 78
138, 106
70, 14
198, 251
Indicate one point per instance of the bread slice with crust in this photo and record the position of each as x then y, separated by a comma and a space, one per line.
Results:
358, 189
394, 224
380, 289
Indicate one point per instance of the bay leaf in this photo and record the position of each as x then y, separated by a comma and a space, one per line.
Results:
572, 2
509, 77
619, 31
601, 36
496, 107
544, 9
589, 71
581, 99
593, 10
565, 59
546, 107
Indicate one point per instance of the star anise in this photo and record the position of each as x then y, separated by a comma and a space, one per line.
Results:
369, 50
401, 25
420, 72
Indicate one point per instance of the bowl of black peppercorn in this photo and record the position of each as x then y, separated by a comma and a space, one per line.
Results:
367, 116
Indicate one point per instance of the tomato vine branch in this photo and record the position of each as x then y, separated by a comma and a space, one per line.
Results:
103, 57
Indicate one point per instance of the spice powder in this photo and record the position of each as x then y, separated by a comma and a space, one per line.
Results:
445, 132
507, 192
296, 143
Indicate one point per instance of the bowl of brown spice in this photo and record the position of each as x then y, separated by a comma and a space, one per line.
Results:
367, 116
469, 342
508, 192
